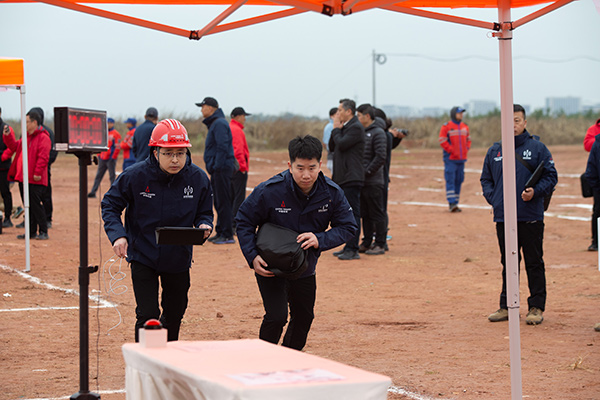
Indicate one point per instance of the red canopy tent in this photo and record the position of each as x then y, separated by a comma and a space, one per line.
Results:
502, 30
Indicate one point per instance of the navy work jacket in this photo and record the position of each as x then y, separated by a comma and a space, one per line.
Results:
280, 201
153, 198
533, 152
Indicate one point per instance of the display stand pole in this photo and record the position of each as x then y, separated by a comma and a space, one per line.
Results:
85, 159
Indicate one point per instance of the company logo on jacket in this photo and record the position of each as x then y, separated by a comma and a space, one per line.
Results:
283, 209
498, 157
527, 154
188, 192
324, 208
147, 193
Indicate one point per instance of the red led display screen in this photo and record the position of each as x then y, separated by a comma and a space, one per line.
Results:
78, 129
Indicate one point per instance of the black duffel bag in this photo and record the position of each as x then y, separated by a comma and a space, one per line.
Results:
278, 247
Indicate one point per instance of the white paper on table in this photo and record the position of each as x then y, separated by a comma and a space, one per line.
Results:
290, 376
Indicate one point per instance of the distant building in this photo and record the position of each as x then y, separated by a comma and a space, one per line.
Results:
480, 107
563, 105
433, 112
393, 111
594, 108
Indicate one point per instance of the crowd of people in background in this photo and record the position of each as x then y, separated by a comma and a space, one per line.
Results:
357, 142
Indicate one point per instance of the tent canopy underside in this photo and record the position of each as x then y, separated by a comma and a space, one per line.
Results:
327, 7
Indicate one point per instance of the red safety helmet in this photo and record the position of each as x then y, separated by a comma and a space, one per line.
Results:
169, 133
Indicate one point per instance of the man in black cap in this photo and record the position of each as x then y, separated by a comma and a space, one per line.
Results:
220, 162
242, 156
140, 147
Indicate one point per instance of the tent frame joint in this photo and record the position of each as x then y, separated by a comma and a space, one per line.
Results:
327, 10
194, 35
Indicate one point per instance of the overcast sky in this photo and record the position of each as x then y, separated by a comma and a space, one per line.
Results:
301, 64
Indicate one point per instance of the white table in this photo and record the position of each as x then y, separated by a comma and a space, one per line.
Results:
249, 369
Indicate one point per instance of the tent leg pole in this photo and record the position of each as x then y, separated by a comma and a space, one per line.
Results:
510, 199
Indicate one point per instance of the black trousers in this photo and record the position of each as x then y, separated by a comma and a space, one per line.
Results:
37, 215
530, 243
276, 294
373, 215
595, 215
103, 166
221, 186
6, 194
239, 180
47, 198
174, 299
352, 194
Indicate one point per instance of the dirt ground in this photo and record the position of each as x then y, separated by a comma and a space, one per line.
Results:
416, 314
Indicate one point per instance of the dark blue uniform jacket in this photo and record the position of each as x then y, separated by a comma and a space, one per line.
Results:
280, 201
592, 172
218, 148
533, 152
154, 198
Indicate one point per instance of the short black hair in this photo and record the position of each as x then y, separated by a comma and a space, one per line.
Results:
519, 108
39, 111
307, 147
331, 112
348, 104
35, 116
366, 109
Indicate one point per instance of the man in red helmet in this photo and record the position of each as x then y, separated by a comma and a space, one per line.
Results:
166, 189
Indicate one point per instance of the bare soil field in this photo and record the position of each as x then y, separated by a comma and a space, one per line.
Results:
417, 314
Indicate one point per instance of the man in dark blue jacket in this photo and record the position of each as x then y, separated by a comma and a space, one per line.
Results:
142, 135
166, 189
220, 163
592, 174
304, 200
348, 145
530, 212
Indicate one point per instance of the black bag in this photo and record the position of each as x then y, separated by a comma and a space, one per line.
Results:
536, 174
586, 189
278, 247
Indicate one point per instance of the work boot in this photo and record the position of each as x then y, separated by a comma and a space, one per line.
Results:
338, 253
534, 316
42, 236
349, 255
500, 315
593, 246
375, 251
7, 223
363, 249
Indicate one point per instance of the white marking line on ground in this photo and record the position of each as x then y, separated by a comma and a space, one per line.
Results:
398, 176
584, 206
414, 396
102, 303
101, 392
442, 205
423, 189
476, 171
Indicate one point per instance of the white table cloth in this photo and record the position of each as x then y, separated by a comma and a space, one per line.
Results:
248, 369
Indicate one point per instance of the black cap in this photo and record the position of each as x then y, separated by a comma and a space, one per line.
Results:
152, 112
209, 101
238, 111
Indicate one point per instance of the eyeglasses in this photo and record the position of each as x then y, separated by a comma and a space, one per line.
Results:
178, 154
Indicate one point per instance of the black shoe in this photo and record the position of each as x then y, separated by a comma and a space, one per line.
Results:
213, 238
375, 251
386, 247
338, 253
362, 248
22, 236
21, 225
349, 255
49, 224
593, 247
7, 223
92, 195
42, 236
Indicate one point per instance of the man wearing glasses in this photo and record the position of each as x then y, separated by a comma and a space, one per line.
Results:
166, 189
